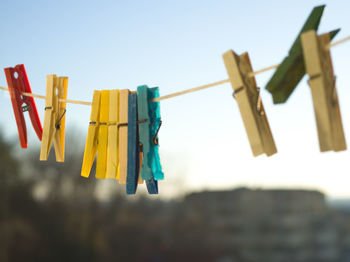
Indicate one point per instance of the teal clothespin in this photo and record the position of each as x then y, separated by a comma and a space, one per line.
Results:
149, 124
156, 122
292, 69
144, 132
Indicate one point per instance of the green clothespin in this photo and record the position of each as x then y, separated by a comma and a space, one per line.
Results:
292, 69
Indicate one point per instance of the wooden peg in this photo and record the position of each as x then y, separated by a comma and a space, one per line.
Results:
133, 169
123, 135
92, 136
54, 117
101, 165
318, 63
113, 135
249, 102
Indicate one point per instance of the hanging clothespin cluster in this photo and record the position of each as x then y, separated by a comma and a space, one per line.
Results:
123, 129
121, 133
310, 54
292, 69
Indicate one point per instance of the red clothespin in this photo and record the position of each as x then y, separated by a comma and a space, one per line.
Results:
18, 83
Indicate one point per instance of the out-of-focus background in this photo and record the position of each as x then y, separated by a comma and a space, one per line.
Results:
217, 202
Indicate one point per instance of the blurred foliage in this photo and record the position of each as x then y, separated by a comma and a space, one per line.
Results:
49, 213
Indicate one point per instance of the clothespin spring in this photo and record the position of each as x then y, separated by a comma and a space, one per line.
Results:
237, 91
258, 101
155, 138
58, 124
25, 108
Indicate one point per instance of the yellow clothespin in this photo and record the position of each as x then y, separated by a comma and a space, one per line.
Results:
113, 135
54, 117
101, 164
318, 63
123, 134
92, 136
240, 74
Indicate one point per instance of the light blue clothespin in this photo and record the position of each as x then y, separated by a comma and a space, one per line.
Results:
149, 124
156, 122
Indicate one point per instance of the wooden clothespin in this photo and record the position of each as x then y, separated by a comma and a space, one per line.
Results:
18, 83
54, 117
113, 136
250, 105
123, 135
101, 163
318, 63
92, 135
133, 167
289, 73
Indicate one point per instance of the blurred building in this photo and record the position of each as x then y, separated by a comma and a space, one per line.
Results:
270, 225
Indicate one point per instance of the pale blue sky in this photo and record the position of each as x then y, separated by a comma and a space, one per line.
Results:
178, 45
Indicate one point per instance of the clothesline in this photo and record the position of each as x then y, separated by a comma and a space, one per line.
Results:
191, 90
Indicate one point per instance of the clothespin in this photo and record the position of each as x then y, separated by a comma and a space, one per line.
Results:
18, 84
101, 163
146, 139
156, 122
92, 135
113, 135
133, 165
123, 135
318, 63
292, 69
249, 101
54, 117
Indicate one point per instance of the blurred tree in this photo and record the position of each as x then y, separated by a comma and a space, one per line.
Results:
48, 212
17, 208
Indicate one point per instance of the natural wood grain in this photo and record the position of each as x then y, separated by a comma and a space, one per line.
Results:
113, 135
247, 97
123, 135
319, 67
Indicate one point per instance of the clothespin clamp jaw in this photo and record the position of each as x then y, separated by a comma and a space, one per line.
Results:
247, 95
18, 84
259, 106
318, 64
